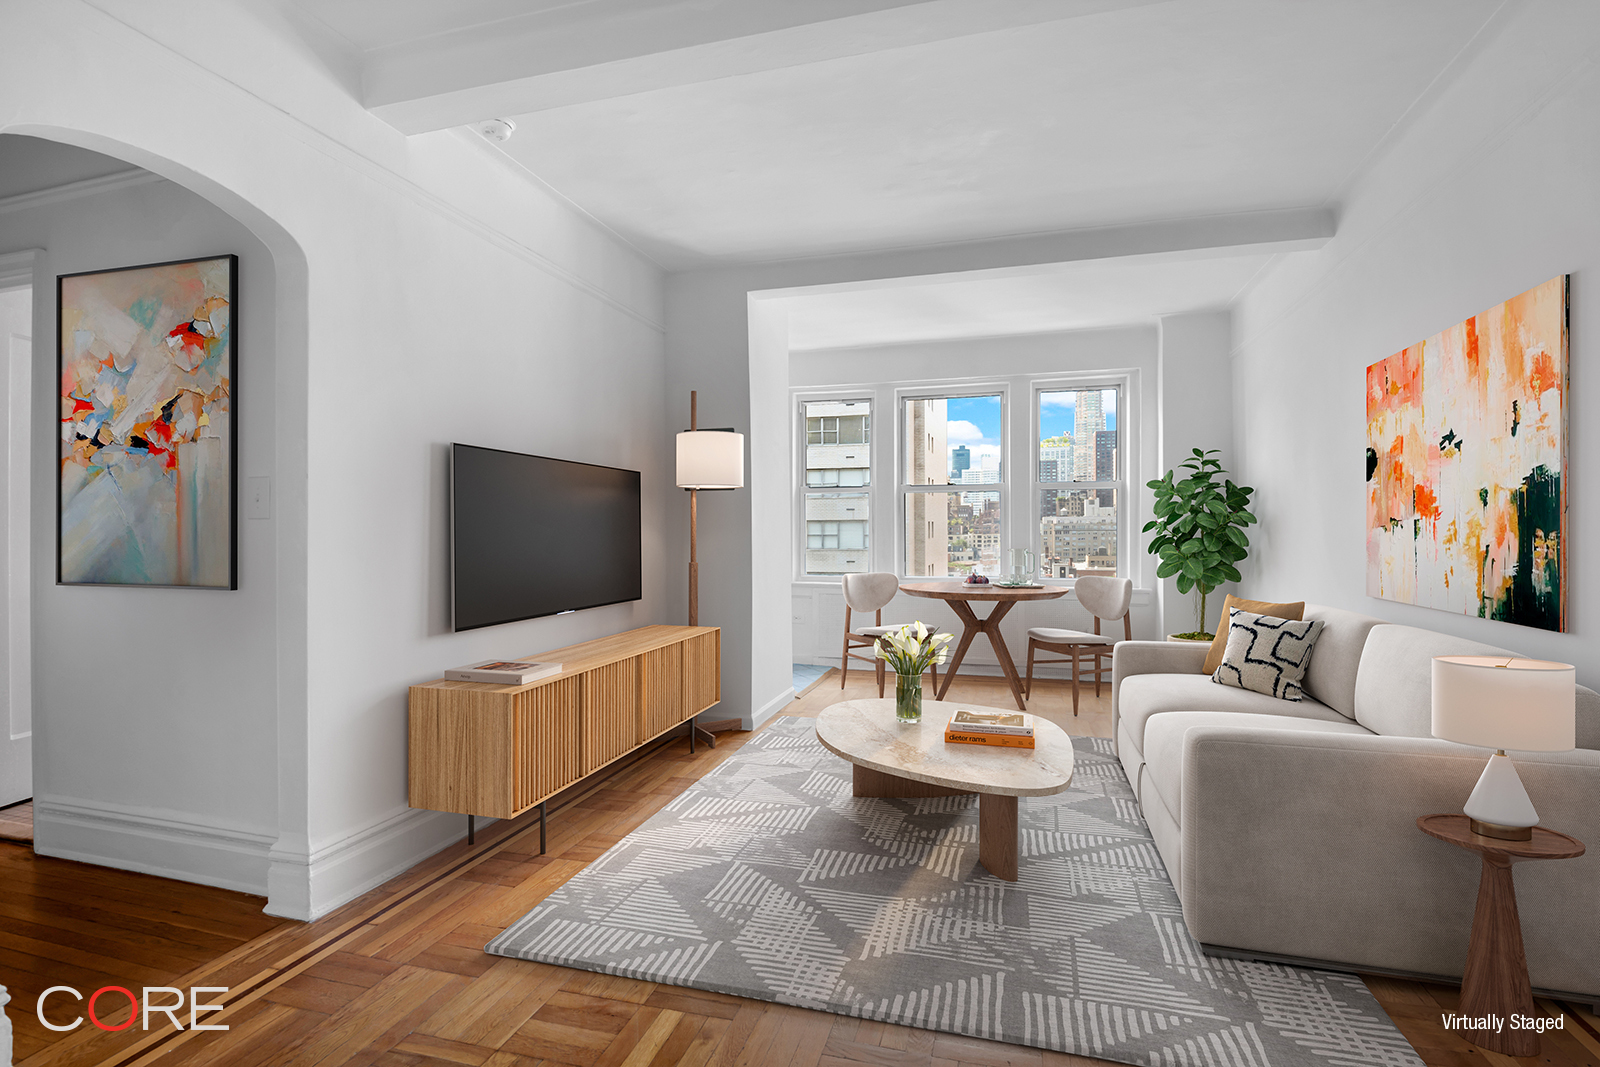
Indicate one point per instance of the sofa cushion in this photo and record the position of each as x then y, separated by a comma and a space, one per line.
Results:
1588, 712
1267, 654
1394, 692
1145, 695
1331, 678
1219, 643
1163, 743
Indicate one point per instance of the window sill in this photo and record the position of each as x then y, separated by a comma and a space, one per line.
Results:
1140, 596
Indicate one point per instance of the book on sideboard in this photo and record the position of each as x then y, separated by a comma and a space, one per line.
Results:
503, 671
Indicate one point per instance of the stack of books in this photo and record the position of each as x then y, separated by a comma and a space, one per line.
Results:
503, 671
998, 729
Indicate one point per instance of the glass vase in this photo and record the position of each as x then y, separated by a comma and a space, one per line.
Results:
908, 697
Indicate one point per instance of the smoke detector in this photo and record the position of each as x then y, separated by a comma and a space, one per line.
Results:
496, 129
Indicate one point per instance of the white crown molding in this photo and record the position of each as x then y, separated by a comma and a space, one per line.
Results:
122, 179
16, 268
359, 162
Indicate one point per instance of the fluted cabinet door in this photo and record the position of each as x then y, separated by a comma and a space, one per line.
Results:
610, 712
663, 689
702, 672
550, 732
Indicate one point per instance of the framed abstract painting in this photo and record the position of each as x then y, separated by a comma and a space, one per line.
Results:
1466, 465
146, 479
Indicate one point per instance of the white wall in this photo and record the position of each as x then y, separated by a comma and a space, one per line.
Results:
156, 741
426, 292
817, 605
1489, 191
1196, 412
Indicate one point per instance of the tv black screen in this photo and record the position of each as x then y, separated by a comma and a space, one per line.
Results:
534, 536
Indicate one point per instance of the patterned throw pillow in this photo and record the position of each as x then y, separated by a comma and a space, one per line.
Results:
1267, 654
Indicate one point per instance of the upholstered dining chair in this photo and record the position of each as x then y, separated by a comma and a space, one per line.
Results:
1104, 598
870, 592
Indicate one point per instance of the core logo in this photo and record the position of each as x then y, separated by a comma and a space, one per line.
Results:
141, 1006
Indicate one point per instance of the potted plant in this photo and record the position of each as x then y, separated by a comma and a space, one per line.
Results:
1199, 531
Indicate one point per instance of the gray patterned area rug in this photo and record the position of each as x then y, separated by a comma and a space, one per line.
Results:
767, 879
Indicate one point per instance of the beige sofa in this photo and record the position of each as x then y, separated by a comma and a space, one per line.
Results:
1290, 828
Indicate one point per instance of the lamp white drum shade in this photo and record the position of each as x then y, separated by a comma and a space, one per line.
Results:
1495, 702
710, 459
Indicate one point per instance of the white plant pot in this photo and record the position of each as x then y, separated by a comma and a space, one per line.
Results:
1175, 639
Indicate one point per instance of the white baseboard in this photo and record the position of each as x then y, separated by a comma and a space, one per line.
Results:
172, 844
308, 886
759, 717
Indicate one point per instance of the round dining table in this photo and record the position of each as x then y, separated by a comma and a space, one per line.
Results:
961, 596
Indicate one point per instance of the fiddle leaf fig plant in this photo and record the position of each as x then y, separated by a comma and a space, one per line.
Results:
1199, 530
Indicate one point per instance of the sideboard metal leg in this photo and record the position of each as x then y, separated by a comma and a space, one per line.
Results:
692, 732
472, 830
541, 827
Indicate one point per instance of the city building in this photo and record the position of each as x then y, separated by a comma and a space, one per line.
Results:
838, 441
928, 518
1105, 463
960, 460
1088, 419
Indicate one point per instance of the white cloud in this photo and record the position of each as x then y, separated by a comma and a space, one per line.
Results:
1069, 399
960, 432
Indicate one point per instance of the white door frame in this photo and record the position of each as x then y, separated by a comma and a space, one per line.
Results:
17, 270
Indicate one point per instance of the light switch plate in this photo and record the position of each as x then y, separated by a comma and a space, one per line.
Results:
258, 497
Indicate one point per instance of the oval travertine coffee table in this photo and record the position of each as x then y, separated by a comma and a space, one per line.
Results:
913, 760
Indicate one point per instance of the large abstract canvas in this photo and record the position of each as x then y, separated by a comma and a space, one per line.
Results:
146, 493
1466, 465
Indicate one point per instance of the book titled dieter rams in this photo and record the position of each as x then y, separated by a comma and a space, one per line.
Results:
999, 729
503, 671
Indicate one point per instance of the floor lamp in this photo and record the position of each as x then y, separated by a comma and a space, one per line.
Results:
707, 459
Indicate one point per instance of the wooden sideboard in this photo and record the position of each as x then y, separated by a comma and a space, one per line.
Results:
499, 750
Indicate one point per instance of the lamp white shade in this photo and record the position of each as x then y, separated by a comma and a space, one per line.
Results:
710, 459
1496, 702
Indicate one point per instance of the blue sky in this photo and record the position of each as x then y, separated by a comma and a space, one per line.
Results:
974, 421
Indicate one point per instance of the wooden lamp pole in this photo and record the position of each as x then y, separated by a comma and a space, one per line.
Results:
694, 525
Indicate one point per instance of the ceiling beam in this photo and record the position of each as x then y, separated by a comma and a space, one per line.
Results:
1241, 234
609, 48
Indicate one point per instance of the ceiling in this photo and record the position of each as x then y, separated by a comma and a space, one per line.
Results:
1157, 112
707, 132
1073, 296
29, 164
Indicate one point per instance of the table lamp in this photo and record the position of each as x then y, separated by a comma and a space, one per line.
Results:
1499, 702
707, 459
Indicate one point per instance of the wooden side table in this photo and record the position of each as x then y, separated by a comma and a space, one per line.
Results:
1496, 979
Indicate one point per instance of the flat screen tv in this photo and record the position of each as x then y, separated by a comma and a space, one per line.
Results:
532, 536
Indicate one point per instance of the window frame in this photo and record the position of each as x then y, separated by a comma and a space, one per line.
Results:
1020, 426
1038, 386
904, 490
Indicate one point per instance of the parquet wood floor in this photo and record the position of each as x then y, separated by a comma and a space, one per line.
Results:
398, 978
16, 822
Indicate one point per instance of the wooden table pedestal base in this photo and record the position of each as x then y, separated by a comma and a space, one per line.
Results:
1495, 982
997, 815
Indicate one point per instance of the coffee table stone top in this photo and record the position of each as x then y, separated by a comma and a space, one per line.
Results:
866, 733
